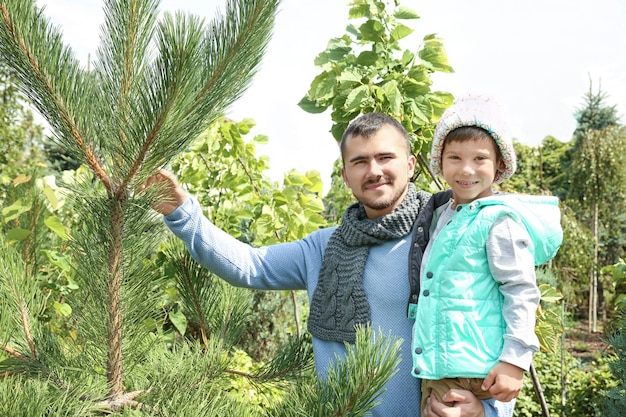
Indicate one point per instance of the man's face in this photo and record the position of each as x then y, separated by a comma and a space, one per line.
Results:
377, 170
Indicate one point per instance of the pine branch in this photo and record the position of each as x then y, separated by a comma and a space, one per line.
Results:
23, 311
188, 282
12, 352
11, 285
352, 385
125, 401
34, 69
292, 360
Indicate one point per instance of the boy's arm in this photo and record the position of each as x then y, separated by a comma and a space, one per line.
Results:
512, 266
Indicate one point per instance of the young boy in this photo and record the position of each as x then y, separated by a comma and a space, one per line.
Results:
475, 316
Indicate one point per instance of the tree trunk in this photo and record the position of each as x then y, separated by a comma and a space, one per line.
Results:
593, 288
114, 337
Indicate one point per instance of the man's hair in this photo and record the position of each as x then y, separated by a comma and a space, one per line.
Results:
368, 124
465, 133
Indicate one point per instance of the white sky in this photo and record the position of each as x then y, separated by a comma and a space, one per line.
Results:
536, 57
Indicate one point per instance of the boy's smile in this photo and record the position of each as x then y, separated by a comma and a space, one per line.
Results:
469, 167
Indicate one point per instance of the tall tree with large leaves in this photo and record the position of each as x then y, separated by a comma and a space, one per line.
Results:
598, 183
155, 85
596, 177
368, 70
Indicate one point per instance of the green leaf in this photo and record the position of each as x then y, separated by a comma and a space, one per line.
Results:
549, 294
372, 30
323, 86
400, 31
59, 260
358, 11
434, 55
321, 59
404, 12
51, 196
394, 96
62, 309
15, 210
313, 203
367, 58
350, 75
261, 139
337, 48
18, 234
548, 337
311, 106
56, 226
407, 57
179, 321
357, 97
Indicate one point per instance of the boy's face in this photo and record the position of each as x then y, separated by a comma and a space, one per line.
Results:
469, 167
378, 169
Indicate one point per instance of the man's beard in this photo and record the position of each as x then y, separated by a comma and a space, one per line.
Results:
384, 203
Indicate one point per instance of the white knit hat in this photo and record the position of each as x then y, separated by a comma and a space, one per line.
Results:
480, 111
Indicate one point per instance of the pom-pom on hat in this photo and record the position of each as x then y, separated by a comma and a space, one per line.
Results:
480, 111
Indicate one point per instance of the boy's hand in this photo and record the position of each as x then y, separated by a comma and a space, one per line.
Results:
504, 381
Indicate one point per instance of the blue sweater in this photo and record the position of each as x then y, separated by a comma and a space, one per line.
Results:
296, 266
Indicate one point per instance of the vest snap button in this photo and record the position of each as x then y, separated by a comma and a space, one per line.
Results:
418, 350
426, 293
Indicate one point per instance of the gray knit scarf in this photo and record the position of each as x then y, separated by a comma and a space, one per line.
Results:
339, 302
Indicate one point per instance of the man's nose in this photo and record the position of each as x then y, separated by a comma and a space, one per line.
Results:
375, 169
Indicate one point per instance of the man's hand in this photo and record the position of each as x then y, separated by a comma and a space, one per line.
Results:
465, 405
170, 192
504, 381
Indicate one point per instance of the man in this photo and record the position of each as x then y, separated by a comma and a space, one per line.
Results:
355, 273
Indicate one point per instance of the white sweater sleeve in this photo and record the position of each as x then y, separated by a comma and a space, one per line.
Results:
512, 266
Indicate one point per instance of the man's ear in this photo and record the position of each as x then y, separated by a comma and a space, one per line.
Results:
411, 166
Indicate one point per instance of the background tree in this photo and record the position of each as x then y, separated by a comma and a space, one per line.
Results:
20, 136
597, 177
367, 70
239, 198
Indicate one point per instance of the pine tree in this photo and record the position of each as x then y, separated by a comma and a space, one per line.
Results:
613, 402
153, 87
